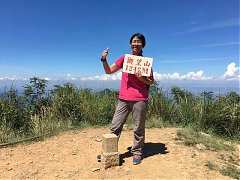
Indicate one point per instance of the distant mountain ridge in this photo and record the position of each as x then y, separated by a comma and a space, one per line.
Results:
195, 87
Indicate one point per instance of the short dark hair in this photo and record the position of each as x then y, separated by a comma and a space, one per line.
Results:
139, 36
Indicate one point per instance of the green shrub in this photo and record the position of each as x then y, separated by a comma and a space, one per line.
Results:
37, 112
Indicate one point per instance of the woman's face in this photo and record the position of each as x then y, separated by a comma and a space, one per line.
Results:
136, 46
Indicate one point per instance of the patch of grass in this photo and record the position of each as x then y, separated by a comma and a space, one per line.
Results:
7, 135
155, 122
226, 170
228, 154
230, 170
39, 111
191, 137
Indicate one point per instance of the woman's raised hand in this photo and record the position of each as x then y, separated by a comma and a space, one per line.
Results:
105, 53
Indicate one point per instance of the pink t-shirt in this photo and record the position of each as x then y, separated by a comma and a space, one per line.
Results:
131, 87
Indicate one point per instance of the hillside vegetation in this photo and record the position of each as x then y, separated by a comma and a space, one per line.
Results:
38, 112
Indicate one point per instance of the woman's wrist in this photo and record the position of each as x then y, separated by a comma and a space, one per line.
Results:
103, 59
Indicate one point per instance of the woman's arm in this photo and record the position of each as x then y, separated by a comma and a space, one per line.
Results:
110, 69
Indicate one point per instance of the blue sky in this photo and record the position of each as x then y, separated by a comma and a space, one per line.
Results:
55, 38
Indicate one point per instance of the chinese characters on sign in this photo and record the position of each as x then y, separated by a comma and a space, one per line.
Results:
137, 64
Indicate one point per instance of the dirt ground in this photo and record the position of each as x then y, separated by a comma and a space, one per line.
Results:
72, 155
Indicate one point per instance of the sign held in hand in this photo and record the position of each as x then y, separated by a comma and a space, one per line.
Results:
137, 64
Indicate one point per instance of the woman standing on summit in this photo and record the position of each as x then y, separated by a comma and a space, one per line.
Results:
133, 97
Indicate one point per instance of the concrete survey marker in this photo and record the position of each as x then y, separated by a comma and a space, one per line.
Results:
110, 155
110, 143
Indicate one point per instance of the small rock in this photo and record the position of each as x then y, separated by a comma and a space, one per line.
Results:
125, 127
98, 139
205, 134
74, 153
35, 172
95, 169
84, 132
228, 143
9, 169
201, 147
195, 153
30, 162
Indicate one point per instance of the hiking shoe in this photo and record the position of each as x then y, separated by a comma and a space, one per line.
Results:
137, 159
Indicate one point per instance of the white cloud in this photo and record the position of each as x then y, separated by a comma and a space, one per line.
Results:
103, 77
11, 78
232, 72
18, 78
220, 44
47, 79
176, 76
69, 76
7, 78
158, 76
212, 25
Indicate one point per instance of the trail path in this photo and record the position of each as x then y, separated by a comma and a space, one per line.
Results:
72, 155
